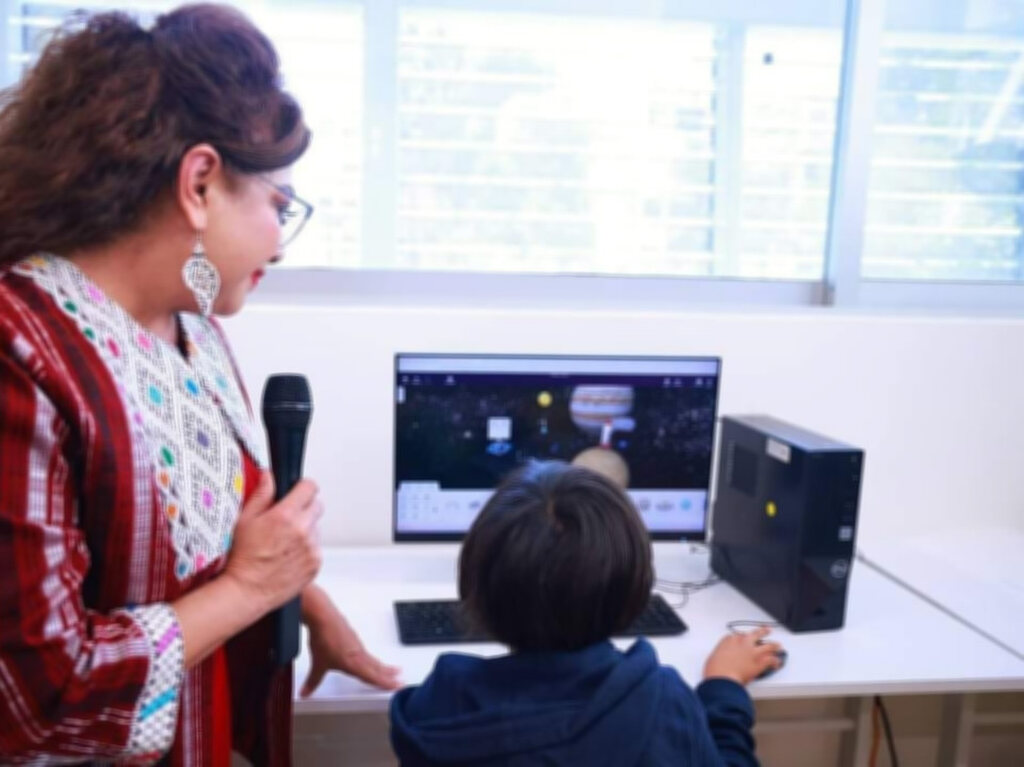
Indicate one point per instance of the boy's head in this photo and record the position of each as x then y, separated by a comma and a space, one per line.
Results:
558, 559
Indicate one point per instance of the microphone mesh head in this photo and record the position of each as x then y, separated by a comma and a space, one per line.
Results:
286, 391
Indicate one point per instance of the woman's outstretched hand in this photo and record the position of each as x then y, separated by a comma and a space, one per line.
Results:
335, 646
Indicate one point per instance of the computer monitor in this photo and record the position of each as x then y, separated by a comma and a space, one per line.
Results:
462, 422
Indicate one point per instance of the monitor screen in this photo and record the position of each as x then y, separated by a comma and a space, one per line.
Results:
462, 422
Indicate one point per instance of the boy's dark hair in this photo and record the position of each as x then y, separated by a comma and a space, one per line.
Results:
558, 559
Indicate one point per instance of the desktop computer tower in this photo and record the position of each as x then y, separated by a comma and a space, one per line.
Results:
785, 519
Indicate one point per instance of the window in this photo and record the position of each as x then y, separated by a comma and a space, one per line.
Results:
711, 142
321, 52
568, 141
790, 91
590, 144
555, 144
946, 196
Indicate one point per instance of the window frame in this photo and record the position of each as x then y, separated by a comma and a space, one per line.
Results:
845, 284
841, 284
512, 289
402, 287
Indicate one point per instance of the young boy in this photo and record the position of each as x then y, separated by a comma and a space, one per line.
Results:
558, 561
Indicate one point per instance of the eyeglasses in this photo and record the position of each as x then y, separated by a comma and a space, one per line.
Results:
293, 215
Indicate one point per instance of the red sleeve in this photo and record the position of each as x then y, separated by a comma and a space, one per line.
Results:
73, 682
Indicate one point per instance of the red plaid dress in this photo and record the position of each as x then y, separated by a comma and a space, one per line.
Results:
90, 653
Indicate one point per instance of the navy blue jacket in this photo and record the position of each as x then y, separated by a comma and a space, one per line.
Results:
595, 706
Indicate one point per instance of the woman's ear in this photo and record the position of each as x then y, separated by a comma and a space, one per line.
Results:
200, 167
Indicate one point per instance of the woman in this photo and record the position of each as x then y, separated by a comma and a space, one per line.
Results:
144, 186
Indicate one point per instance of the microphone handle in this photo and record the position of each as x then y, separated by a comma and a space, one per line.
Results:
287, 471
287, 618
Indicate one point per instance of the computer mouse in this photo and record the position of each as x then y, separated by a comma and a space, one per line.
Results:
781, 655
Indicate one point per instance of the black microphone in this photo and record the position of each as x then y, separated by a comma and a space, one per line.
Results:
287, 407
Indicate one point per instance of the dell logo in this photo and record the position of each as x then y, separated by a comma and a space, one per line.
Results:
839, 569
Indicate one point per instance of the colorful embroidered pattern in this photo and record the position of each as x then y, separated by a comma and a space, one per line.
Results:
153, 729
190, 412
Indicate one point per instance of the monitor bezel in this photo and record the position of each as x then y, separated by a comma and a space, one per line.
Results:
457, 536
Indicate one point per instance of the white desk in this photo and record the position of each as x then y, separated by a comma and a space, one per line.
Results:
893, 642
976, 575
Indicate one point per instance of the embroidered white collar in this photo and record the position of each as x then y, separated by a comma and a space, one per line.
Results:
191, 413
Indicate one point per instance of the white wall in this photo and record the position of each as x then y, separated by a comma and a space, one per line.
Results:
934, 401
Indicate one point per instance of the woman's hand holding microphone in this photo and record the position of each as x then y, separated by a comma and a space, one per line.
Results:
276, 551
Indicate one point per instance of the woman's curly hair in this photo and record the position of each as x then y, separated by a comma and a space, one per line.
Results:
95, 132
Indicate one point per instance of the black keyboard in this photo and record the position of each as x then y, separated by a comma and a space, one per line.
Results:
441, 621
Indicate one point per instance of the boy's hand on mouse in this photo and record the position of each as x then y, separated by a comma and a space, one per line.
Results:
742, 657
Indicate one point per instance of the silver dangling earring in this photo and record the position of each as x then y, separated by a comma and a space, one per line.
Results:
201, 277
